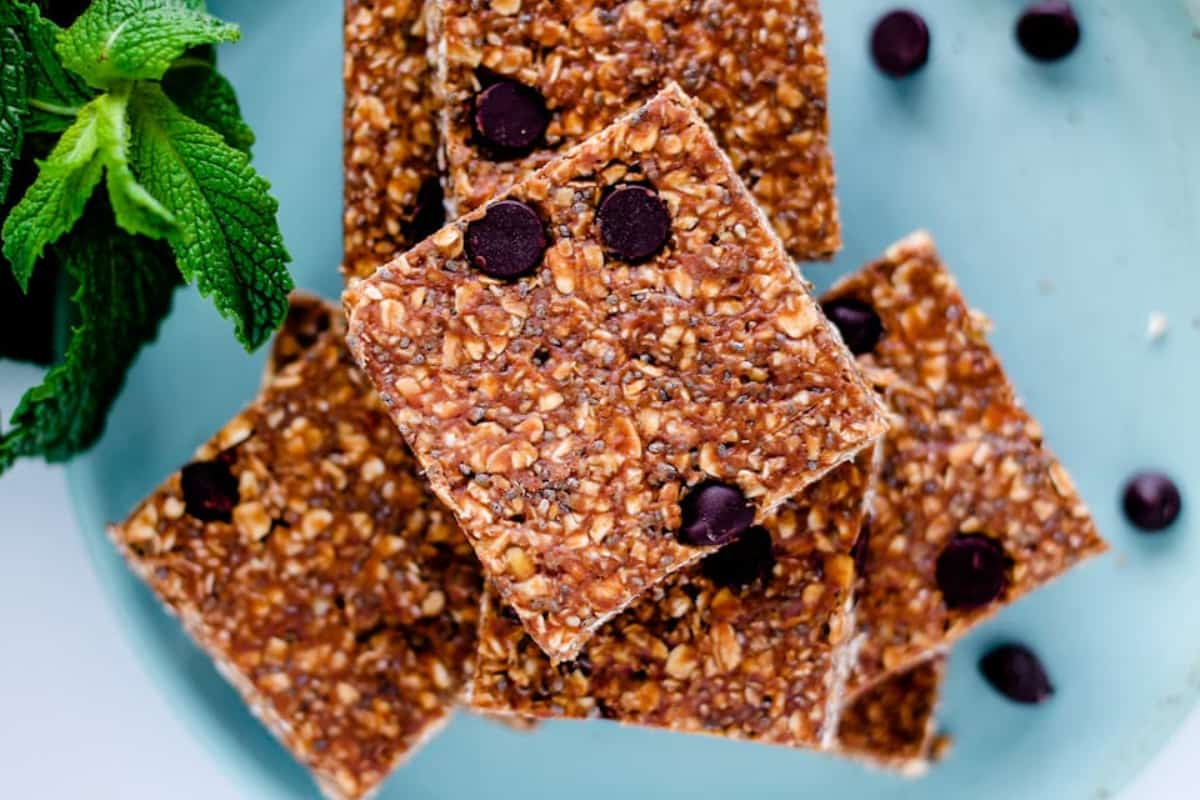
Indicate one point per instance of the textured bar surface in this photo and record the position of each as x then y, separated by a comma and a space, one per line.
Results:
962, 457
564, 415
390, 147
739, 645
330, 588
756, 67
891, 725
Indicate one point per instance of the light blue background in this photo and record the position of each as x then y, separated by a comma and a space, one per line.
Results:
1063, 195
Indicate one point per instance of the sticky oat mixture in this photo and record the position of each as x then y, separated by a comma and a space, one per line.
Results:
756, 67
563, 415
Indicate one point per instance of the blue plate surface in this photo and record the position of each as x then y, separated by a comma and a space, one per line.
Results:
1065, 196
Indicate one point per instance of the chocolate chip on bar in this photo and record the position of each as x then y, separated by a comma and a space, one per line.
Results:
393, 195
891, 725
301, 550
568, 411
972, 510
523, 80
750, 643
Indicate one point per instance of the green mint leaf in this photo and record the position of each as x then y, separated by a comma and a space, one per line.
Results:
206, 96
121, 40
137, 211
13, 103
228, 240
55, 95
55, 201
123, 290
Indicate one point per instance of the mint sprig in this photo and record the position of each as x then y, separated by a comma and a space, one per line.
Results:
133, 89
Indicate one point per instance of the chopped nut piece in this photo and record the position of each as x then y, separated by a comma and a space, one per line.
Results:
757, 70
730, 645
313, 598
809, 413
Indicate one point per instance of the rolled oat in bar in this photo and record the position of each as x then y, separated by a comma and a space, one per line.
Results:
610, 370
303, 553
891, 725
748, 644
522, 80
972, 510
393, 194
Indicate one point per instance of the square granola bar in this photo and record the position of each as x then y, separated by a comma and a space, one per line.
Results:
891, 725
304, 554
393, 192
522, 80
750, 643
611, 369
972, 510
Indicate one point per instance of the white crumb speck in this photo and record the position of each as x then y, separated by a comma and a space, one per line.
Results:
1156, 326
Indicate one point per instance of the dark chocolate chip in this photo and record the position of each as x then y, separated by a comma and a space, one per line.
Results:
429, 213
972, 571
1048, 31
743, 561
900, 42
1015, 671
714, 513
862, 548
508, 241
634, 222
1152, 501
210, 490
511, 117
860, 326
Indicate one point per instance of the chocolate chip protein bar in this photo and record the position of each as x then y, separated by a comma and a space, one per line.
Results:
891, 725
748, 644
610, 370
972, 510
522, 80
303, 553
393, 194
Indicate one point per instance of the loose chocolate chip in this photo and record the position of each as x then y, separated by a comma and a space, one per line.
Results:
1015, 671
714, 514
1152, 501
508, 241
972, 571
743, 561
900, 42
862, 548
511, 117
860, 326
429, 213
1049, 30
210, 490
634, 222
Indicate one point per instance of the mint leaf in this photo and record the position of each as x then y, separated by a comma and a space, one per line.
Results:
122, 40
137, 211
55, 95
13, 104
195, 86
124, 288
228, 240
58, 195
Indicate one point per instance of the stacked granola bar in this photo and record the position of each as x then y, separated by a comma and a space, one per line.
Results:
592, 449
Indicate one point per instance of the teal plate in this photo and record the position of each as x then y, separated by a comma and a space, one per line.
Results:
1065, 196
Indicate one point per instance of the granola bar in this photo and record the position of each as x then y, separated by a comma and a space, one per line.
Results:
972, 510
307, 319
748, 644
393, 192
891, 725
522, 80
610, 370
303, 553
